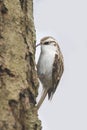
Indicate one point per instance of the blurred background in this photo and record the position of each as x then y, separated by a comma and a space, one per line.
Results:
66, 21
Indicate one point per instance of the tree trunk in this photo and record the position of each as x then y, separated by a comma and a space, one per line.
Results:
18, 78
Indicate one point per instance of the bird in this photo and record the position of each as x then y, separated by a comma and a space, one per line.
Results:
50, 67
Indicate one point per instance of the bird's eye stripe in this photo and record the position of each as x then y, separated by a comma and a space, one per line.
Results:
46, 43
52, 41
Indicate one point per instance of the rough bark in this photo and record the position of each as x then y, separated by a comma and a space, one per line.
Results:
18, 78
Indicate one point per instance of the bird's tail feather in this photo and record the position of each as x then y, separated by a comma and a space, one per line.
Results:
42, 98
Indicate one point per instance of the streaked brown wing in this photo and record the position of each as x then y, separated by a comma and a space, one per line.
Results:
57, 72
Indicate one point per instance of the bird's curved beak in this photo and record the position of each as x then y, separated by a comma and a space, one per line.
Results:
38, 44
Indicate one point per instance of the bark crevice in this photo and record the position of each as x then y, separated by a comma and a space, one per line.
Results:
6, 71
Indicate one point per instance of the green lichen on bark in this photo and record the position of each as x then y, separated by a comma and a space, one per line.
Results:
18, 78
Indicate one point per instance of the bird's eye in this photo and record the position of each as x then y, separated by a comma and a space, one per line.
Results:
46, 43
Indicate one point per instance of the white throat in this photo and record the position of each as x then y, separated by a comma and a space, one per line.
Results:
48, 48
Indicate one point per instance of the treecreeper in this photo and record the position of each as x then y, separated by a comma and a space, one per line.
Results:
50, 67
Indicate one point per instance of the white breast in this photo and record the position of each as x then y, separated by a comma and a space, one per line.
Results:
46, 60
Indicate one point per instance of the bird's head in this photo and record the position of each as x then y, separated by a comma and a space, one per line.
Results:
48, 41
